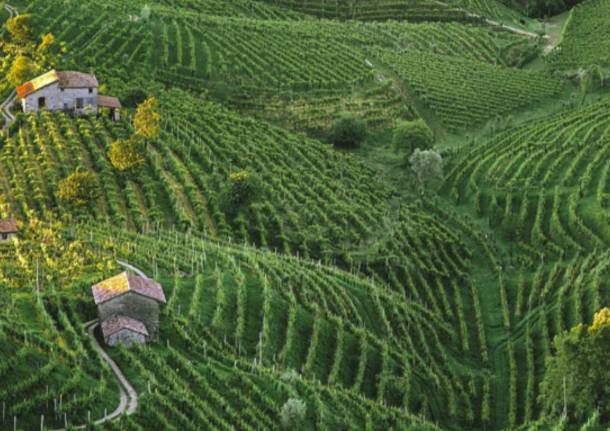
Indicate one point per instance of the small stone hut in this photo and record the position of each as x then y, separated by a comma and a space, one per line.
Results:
66, 91
124, 330
122, 301
8, 229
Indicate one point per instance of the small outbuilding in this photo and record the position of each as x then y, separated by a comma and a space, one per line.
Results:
124, 330
8, 229
130, 296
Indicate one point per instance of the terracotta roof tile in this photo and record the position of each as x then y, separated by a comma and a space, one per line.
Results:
117, 323
76, 80
8, 226
127, 282
108, 102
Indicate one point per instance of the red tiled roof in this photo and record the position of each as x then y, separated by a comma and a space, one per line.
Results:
8, 226
65, 79
108, 102
117, 323
127, 282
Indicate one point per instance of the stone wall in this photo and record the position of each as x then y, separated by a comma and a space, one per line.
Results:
56, 99
137, 307
126, 337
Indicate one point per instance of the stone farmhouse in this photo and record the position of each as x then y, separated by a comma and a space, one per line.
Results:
128, 308
8, 229
66, 91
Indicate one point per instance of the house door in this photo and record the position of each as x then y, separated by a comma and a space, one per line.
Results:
42, 102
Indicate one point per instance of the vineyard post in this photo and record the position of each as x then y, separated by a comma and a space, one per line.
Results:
3, 410
41, 422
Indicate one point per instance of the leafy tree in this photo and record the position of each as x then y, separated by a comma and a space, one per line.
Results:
576, 382
293, 414
78, 188
427, 165
126, 154
348, 132
20, 28
243, 188
147, 120
45, 256
410, 135
21, 70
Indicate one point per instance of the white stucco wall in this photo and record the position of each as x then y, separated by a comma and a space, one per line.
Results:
56, 99
9, 237
126, 337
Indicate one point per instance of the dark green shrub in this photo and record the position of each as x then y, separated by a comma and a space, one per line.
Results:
348, 132
241, 190
410, 135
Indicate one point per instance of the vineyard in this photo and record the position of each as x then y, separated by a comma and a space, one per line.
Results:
584, 40
348, 280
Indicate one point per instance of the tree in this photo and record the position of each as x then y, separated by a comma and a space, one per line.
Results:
21, 70
126, 154
348, 132
293, 414
20, 28
576, 382
410, 135
45, 256
243, 188
147, 121
78, 188
427, 165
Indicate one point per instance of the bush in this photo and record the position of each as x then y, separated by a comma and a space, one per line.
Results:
410, 135
293, 414
242, 189
348, 132
427, 165
126, 154
78, 188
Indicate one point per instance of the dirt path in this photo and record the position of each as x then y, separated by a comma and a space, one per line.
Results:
6, 105
128, 396
491, 21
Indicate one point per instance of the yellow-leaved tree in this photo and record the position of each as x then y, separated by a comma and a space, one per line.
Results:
147, 121
45, 256
21, 71
126, 154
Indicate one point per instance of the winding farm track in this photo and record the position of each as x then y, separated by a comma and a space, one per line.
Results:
5, 108
496, 23
127, 394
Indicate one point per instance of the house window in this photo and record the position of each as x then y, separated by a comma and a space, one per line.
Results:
65, 106
42, 102
4, 236
79, 103
91, 91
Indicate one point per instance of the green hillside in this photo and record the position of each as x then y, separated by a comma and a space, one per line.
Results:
308, 272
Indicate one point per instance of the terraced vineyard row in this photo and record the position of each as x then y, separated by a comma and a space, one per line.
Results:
585, 40
196, 51
545, 186
378, 10
68, 384
356, 332
380, 106
464, 93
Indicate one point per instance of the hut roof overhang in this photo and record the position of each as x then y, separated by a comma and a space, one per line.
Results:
119, 323
124, 283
